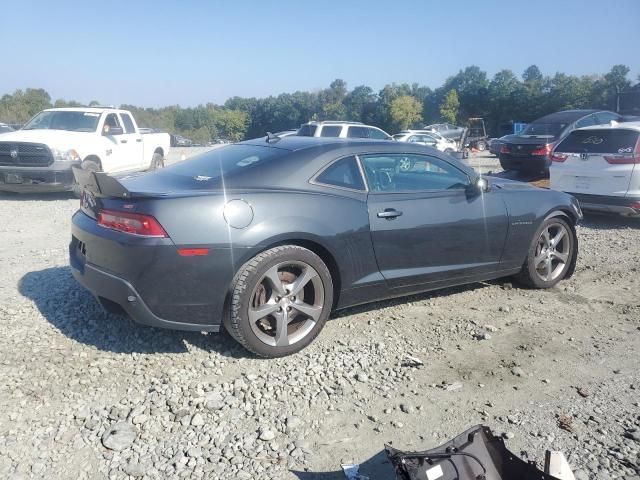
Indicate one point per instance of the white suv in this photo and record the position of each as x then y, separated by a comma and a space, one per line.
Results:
600, 166
342, 130
425, 137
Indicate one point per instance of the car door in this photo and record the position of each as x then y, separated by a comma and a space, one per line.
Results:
132, 145
114, 160
427, 225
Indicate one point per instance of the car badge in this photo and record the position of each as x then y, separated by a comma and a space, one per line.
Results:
202, 178
584, 156
14, 153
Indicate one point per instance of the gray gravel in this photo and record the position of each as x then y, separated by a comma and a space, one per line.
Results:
88, 395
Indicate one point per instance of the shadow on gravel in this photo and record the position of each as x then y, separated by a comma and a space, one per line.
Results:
609, 222
377, 467
25, 197
75, 313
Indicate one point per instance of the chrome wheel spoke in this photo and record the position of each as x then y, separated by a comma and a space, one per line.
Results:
274, 279
563, 257
282, 322
305, 277
545, 238
548, 269
559, 236
540, 259
262, 311
310, 310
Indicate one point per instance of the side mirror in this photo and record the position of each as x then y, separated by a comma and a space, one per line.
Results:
479, 185
107, 130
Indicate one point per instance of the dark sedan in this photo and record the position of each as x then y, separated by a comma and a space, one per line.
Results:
530, 151
268, 236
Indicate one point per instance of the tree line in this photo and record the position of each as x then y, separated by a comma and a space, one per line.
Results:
470, 93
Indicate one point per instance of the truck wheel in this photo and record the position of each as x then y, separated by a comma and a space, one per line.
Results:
481, 146
156, 162
90, 165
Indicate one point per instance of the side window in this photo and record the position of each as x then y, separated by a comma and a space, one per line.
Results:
128, 123
586, 121
606, 117
358, 132
406, 173
112, 120
413, 139
377, 134
331, 131
343, 173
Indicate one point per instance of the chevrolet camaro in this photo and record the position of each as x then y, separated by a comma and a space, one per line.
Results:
267, 237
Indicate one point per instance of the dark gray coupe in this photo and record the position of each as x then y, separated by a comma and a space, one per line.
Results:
268, 236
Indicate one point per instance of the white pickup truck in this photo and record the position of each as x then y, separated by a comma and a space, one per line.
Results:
39, 156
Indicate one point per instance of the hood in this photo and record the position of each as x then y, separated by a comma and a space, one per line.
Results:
507, 184
60, 139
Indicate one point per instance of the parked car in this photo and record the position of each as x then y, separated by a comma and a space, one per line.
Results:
447, 130
342, 129
39, 157
425, 137
180, 141
495, 144
600, 166
297, 227
530, 151
4, 128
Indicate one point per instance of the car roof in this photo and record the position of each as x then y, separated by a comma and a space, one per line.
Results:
566, 116
295, 143
333, 122
614, 126
85, 109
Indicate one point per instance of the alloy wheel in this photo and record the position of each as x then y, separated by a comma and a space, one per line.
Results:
286, 303
552, 252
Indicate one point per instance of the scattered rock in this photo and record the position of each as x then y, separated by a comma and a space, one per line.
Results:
119, 436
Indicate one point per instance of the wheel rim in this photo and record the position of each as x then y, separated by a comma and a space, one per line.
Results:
552, 252
286, 303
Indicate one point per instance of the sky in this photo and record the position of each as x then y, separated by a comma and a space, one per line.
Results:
157, 53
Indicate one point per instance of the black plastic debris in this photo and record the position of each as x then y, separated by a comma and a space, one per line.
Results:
476, 454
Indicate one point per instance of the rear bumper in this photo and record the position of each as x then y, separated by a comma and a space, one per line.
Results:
627, 206
104, 285
148, 279
35, 180
534, 163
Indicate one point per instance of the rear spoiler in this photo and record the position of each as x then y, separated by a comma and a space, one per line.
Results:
100, 183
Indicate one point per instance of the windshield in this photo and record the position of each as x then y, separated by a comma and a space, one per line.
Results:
552, 130
64, 120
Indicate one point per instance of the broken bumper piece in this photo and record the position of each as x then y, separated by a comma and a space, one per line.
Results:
476, 454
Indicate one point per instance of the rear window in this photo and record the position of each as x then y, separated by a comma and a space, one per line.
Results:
307, 130
543, 130
599, 141
358, 132
225, 162
331, 131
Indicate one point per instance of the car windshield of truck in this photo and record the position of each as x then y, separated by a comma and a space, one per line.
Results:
76, 121
548, 130
615, 141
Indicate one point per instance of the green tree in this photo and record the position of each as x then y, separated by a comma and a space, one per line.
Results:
406, 111
449, 107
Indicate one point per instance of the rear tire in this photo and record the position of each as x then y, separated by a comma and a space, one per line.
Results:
91, 166
281, 300
551, 254
157, 161
481, 146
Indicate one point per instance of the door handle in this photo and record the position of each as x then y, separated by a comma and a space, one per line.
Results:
138, 140
123, 141
389, 213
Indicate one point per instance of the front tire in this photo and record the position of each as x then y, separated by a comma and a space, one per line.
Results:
281, 300
550, 254
481, 146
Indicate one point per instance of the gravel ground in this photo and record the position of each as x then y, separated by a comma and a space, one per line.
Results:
88, 395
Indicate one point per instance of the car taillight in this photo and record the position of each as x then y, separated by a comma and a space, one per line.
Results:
504, 149
133, 223
545, 150
622, 159
559, 157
